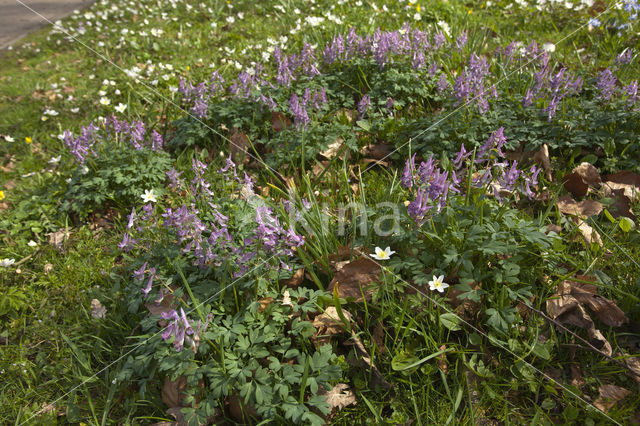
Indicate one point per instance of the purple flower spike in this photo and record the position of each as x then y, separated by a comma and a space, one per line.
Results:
407, 174
606, 83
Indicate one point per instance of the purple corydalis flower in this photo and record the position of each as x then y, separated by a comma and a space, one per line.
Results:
180, 328
625, 57
407, 174
138, 274
82, 146
127, 243
363, 105
631, 90
156, 141
131, 218
442, 85
461, 41
152, 275
300, 117
606, 83
495, 142
461, 156
419, 207
175, 182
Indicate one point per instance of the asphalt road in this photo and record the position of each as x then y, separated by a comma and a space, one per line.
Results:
16, 21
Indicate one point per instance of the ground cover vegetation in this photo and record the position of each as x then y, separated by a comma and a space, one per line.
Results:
322, 212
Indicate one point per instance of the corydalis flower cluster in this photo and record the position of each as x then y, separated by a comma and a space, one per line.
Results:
553, 86
133, 133
202, 228
432, 185
470, 85
181, 329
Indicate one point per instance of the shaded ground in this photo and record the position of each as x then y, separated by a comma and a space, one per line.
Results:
16, 20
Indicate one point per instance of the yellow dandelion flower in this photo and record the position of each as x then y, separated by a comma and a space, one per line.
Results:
1, 195
28, 139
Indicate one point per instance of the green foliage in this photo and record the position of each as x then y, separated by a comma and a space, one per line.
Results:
118, 175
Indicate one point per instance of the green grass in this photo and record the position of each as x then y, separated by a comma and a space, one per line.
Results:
53, 350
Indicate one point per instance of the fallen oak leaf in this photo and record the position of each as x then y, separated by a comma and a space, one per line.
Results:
542, 158
589, 174
97, 310
339, 396
567, 205
328, 324
333, 149
376, 151
609, 395
589, 234
573, 183
355, 279
633, 364
567, 307
279, 121
239, 146
605, 310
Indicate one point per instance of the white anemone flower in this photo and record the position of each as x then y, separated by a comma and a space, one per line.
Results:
149, 196
382, 254
5, 263
437, 283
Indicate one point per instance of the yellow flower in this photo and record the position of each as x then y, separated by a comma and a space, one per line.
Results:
469, 11
1, 195
188, 67
418, 7
28, 139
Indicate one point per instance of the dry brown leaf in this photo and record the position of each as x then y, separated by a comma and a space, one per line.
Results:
441, 360
355, 279
626, 182
624, 177
47, 268
172, 391
264, 302
589, 174
318, 168
340, 396
58, 238
542, 158
575, 185
567, 205
286, 299
605, 310
279, 121
609, 395
377, 151
589, 234
622, 202
328, 324
378, 337
239, 146
368, 161
576, 377
567, 307
97, 310
553, 228
633, 364
295, 280
333, 149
